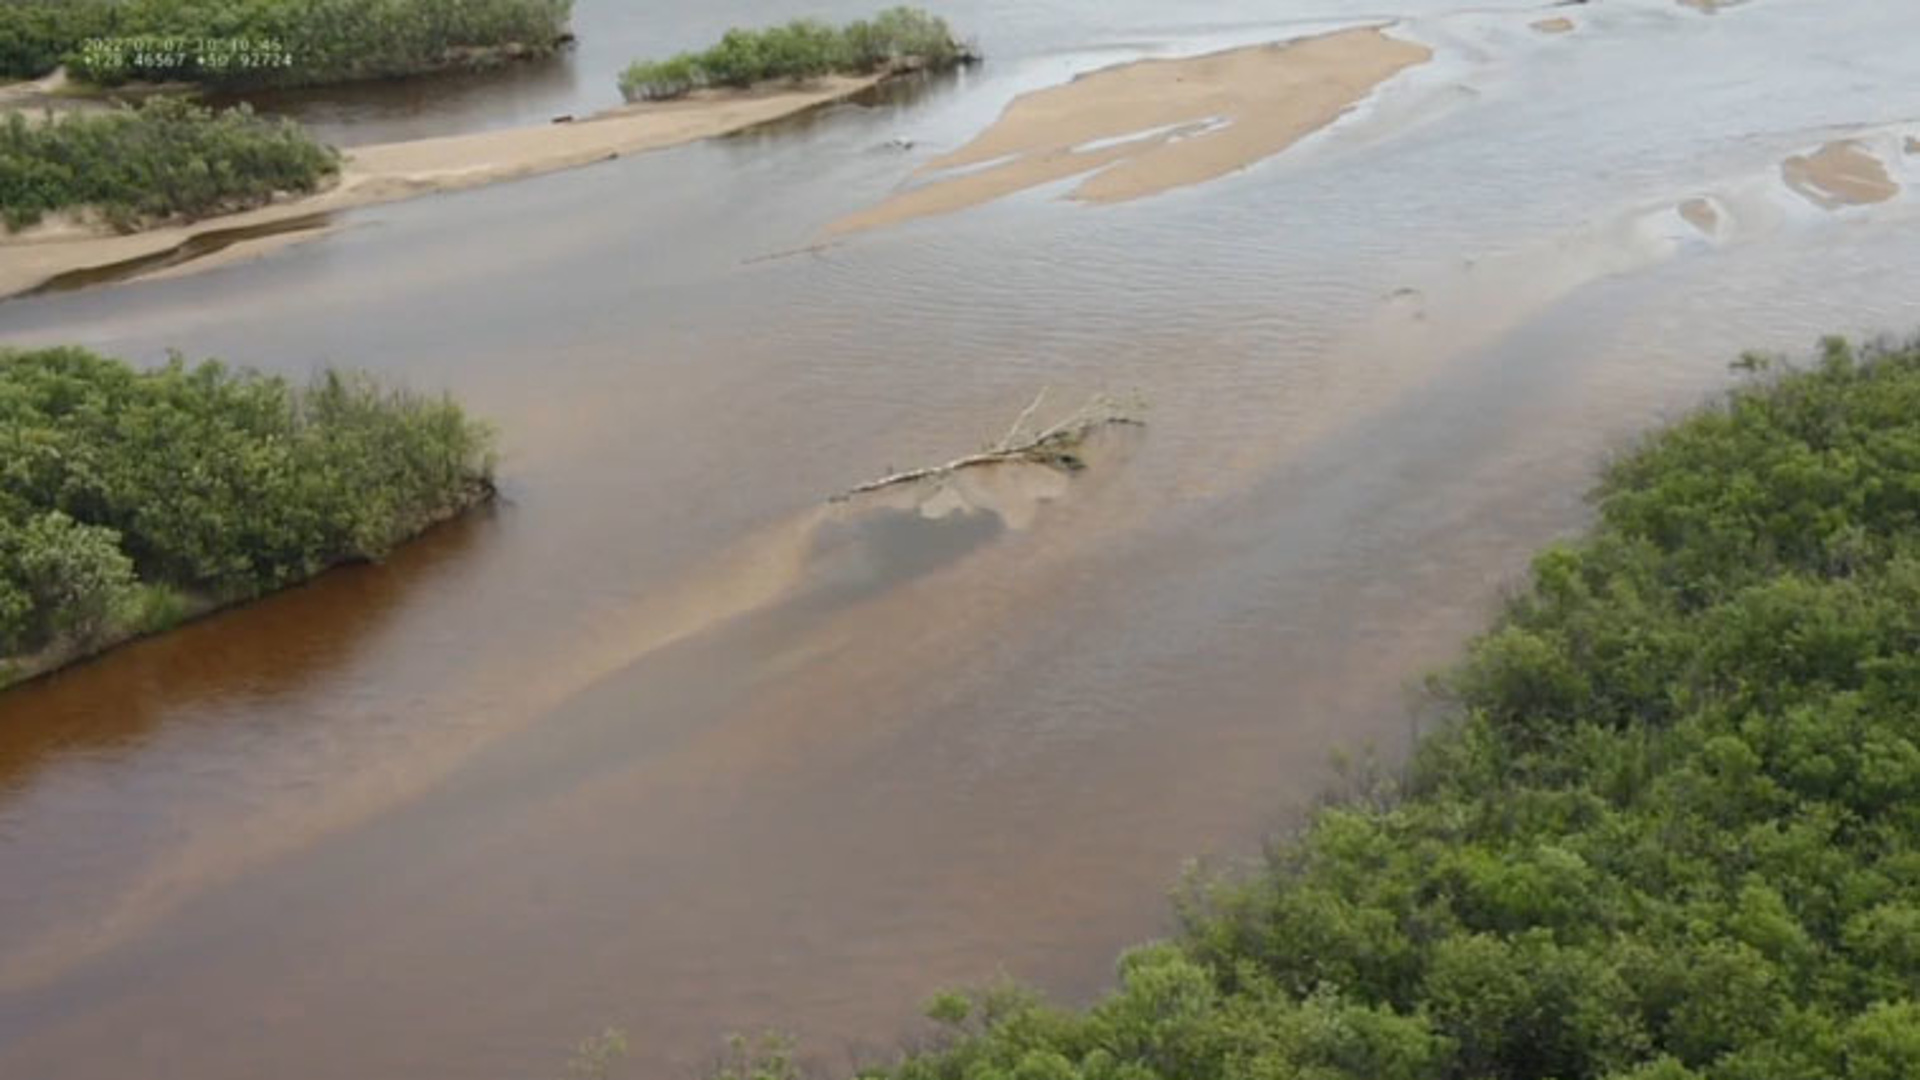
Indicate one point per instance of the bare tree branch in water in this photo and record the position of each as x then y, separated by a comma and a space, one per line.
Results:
1056, 446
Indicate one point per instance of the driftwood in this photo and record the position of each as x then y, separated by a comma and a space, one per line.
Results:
810, 249
1055, 447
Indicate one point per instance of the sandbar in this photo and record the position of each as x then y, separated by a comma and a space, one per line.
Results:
1150, 126
1701, 214
1557, 25
1839, 174
392, 171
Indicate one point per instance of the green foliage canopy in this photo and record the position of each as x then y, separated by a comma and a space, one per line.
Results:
167, 158
900, 37
323, 41
203, 480
1672, 832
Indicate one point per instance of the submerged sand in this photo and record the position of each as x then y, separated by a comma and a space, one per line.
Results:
1147, 127
393, 171
1839, 174
1701, 214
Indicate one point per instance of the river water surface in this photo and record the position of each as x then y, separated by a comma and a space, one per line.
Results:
666, 741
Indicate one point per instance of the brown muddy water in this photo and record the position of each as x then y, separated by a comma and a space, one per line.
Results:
665, 741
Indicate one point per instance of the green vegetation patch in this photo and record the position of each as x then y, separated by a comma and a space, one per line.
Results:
123, 491
900, 38
249, 43
1673, 832
165, 159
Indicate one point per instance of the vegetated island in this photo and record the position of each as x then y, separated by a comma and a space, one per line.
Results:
167, 159
237, 44
1670, 832
894, 43
897, 41
131, 500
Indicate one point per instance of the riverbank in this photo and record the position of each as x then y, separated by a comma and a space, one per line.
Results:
390, 172
141, 498
1617, 855
17, 670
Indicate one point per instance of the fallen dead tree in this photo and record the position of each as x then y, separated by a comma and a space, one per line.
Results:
1056, 447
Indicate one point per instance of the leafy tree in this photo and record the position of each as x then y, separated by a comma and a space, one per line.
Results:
167, 158
272, 42
898, 39
60, 579
121, 489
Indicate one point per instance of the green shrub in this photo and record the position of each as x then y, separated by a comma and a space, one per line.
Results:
288, 42
802, 49
167, 158
36, 35
1671, 833
120, 491
59, 579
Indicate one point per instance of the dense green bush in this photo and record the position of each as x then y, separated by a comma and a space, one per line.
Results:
167, 158
242, 43
901, 37
36, 35
205, 481
1672, 833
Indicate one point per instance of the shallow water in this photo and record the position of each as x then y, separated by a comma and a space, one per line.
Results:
666, 741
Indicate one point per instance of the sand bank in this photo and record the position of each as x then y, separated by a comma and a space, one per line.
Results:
393, 171
1701, 214
1557, 25
1151, 126
1711, 6
1839, 174
37, 93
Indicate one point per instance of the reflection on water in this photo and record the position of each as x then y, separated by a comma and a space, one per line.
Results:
356, 114
671, 743
290, 640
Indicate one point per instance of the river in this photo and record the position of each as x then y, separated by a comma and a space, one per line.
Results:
666, 741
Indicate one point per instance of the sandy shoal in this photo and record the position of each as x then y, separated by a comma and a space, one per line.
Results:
1701, 214
35, 93
1557, 25
1147, 127
1839, 174
392, 171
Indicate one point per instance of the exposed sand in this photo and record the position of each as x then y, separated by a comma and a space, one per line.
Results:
1559, 25
1700, 214
1147, 127
1839, 174
1711, 6
1913, 145
33, 93
393, 171
236, 253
